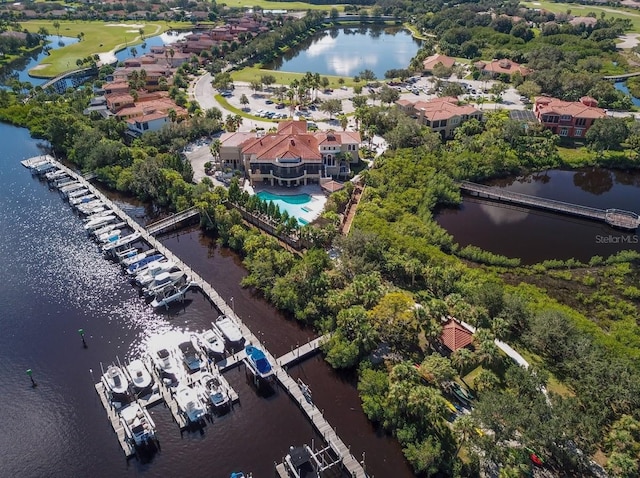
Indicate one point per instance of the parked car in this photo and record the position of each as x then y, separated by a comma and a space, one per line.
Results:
280, 106
269, 102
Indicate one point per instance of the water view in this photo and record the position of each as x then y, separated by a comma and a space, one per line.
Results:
56, 282
622, 86
536, 235
22, 68
348, 51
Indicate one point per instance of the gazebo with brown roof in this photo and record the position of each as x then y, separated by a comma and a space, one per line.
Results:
455, 336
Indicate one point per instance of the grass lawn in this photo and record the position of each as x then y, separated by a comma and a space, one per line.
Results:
99, 37
553, 385
265, 4
249, 74
582, 10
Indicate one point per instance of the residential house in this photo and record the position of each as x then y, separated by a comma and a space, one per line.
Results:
149, 121
437, 59
568, 119
504, 66
442, 115
292, 155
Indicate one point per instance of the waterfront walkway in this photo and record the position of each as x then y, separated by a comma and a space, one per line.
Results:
614, 217
352, 466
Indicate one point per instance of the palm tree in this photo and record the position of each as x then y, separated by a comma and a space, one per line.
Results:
465, 427
215, 148
173, 115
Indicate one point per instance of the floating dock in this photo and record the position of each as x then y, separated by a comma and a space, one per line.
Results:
352, 466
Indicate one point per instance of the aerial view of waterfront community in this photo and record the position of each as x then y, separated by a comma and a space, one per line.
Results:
299, 239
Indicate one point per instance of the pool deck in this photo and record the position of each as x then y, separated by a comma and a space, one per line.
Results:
315, 206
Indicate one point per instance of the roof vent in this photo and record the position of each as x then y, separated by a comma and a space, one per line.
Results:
293, 143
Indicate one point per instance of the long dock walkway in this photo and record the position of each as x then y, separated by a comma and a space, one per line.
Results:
352, 466
172, 221
302, 352
613, 217
114, 419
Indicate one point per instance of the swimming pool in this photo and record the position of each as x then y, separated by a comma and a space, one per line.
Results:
296, 205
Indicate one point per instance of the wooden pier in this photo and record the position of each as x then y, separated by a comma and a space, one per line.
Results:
114, 419
315, 416
614, 217
173, 221
302, 352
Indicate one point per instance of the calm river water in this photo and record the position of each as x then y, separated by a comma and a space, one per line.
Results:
536, 235
55, 282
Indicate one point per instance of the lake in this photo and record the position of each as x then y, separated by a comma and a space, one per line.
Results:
536, 235
348, 51
622, 86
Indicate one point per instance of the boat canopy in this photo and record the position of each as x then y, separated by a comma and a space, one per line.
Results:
259, 359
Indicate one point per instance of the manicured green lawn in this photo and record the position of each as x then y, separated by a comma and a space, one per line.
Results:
284, 77
265, 4
582, 10
99, 37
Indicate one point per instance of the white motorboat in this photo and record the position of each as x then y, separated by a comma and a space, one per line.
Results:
229, 330
138, 426
99, 221
215, 390
110, 236
123, 241
190, 351
166, 297
124, 254
138, 256
190, 404
164, 280
142, 264
141, 379
104, 229
115, 381
87, 207
78, 193
147, 276
212, 342
164, 359
83, 199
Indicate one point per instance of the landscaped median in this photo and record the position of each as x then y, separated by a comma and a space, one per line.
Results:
252, 73
97, 37
232, 109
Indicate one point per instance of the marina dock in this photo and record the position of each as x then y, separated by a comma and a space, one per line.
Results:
614, 217
114, 419
315, 416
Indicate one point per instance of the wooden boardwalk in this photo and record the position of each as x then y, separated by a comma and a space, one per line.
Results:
114, 419
614, 217
173, 221
302, 352
315, 416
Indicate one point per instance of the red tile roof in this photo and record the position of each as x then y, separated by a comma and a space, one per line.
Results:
440, 108
433, 60
283, 146
502, 66
455, 336
578, 109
